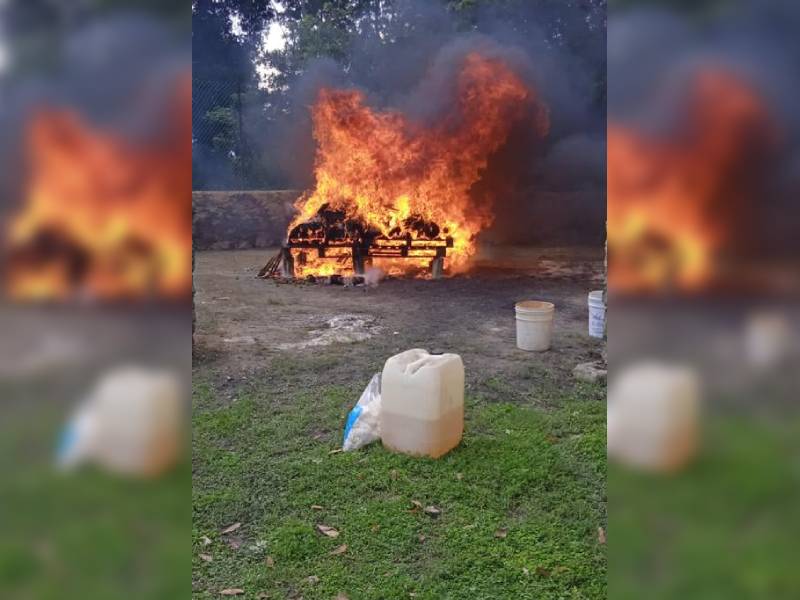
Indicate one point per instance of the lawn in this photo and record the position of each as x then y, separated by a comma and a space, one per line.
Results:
521, 499
726, 527
85, 535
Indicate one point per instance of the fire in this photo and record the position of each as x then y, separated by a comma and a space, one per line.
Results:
103, 217
399, 179
673, 203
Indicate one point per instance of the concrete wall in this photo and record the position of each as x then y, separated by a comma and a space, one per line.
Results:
241, 219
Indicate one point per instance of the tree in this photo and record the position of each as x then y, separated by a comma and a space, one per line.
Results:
225, 40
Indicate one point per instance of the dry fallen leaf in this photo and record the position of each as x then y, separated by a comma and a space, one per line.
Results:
525, 571
270, 562
601, 535
339, 550
542, 572
501, 533
459, 476
417, 505
231, 528
206, 541
432, 511
313, 579
328, 531
232, 592
394, 474
206, 557
421, 538
262, 596
316, 507
235, 543
375, 528
341, 596
335, 451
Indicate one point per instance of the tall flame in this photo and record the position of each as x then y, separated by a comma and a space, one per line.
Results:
102, 217
381, 167
673, 203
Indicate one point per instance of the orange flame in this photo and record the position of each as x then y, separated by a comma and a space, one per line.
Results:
381, 168
672, 203
103, 217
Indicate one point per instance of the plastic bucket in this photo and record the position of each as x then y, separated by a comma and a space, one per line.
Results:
597, 314
534, 325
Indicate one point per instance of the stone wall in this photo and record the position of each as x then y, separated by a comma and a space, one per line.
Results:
241, 219
231, 220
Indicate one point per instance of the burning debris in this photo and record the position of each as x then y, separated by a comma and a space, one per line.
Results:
102, 217
332, 234
391, 189
674, 205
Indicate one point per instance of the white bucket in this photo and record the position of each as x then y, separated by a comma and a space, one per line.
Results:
534, 324
597, 314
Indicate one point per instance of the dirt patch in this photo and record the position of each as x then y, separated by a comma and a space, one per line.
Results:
342, 329
343, 334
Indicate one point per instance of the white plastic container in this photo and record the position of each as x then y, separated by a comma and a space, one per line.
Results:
597, 314
422, 397
653, 416
534, 325
132, 423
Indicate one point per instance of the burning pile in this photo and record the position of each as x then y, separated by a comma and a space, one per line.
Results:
675, 205
391, 188
103, 217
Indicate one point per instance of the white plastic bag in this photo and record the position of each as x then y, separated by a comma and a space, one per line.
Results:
362, 423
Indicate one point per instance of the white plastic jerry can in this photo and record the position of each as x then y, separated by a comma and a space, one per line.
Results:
653, 416
422, 397
132, 423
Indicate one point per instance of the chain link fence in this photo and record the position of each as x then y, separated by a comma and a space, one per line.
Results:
220, 152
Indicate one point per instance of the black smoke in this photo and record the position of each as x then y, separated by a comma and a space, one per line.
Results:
653, 57
547, 191
119, 73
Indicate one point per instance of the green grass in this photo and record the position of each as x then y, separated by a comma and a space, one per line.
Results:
84, 535
265, 459
91, 536
726, 527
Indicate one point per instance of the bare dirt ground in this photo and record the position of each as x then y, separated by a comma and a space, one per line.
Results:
341, 335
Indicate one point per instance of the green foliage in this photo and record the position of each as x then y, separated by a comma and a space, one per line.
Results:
325, 34
223, 121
